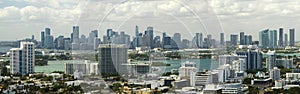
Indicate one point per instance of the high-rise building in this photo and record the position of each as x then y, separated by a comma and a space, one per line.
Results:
60, 42
285, 39
273, 39
275, 73
264, 38
22, 59
42, 38
248, 40
111, 57
48, 31
253, 59
177, 39
200, 38
136, 31
292, 37
75, 34
67, 42
187, 69
271, 60
280, 41
222, 40
233, 40
242, 38
48, 42
150, 34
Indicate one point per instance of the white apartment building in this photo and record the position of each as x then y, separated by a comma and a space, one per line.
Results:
22, 59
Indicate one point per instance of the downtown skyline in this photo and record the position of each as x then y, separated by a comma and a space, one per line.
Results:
30, 17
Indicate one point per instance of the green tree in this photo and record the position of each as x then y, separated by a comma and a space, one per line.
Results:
294, 90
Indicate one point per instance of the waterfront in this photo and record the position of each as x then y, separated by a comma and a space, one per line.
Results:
55, 66
202, 64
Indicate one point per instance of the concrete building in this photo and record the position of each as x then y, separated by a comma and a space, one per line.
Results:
187, 69
271, 60
275, 74
22, 59
111, 57
292, 37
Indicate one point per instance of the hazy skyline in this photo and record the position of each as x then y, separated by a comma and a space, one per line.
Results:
22, 18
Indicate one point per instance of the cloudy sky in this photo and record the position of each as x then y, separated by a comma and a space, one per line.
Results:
20, 19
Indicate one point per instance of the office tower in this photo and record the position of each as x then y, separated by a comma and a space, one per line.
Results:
91, 39
163, 39
185, 43
209, 41
22, 59
150, 34
167, 43
60, 42
253, 59
67, 42
273, 39
242, 38
292, 37
75, 34
48, 42
200, 39
271, 60
177, 39
196, 40
43, 39
157, 41
136, 31
263, 38
222, 40
233, 40
285, 39
280, 41
48, 31
275, 73
111, 57
248, 40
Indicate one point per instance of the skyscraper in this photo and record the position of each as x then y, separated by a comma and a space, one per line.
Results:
42, 39
177, 39
271, 60
48, 43
22, 59
150, 34
201, 40
222, 41
75, 34
285, 39
292, 37
273, 39
233, 40
280, 41
242, 38
196, 40
263, 38
253, 59
248, 40
111, 57
136, 31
